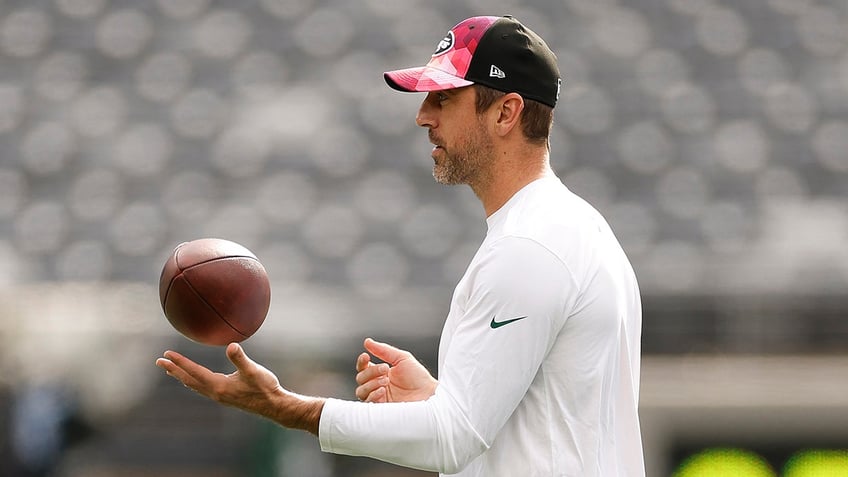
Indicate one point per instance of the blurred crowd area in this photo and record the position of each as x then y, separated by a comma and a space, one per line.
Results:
712, 134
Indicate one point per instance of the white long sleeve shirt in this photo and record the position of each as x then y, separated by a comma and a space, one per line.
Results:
538, 360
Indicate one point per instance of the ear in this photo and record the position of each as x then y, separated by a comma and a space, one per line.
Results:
509, 111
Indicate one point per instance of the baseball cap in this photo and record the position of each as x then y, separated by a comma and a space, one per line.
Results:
498, 52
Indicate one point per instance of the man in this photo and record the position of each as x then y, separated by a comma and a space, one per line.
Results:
539, 357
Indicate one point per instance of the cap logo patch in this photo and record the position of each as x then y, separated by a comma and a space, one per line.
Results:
496, 72
445, 45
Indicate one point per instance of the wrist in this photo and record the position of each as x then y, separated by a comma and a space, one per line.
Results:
295, 411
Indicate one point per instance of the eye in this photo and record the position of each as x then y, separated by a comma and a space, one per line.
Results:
441, 97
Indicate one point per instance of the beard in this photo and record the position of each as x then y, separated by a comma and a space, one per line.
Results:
466, 162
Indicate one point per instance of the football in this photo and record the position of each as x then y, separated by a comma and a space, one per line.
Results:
214, 291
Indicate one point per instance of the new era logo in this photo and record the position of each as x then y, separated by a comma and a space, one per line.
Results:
496, 72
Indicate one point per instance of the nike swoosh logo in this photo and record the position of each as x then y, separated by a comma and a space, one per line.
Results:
497, 324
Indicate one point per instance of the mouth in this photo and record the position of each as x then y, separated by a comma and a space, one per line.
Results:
436, 152
435, 141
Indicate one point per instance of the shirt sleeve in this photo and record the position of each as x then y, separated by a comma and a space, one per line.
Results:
427, 435
518, 294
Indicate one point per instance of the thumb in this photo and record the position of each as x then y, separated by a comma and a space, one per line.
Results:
385, 352
238, 357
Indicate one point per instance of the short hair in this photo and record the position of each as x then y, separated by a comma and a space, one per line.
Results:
536, 119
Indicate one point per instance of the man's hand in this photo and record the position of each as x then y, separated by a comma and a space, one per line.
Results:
252, 388
401, 378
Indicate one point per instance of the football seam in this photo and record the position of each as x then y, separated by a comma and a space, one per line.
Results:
182, 270
208, 305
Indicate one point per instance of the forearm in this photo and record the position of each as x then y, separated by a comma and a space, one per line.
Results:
293, 411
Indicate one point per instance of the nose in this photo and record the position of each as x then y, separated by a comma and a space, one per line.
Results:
426, 117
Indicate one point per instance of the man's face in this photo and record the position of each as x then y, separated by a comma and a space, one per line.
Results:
463, 147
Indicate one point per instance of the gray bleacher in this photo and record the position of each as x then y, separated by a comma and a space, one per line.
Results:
712, 134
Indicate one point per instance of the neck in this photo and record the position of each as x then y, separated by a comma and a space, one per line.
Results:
510, 171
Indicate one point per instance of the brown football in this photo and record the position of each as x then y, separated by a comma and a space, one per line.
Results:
214, 291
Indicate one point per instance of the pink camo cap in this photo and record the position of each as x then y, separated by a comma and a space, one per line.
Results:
498, 52
449, 64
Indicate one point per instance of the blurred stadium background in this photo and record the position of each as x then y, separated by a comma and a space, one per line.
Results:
712, 134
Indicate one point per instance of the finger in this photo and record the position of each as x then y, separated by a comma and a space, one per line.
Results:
182, 362
184, 368
363, 361
372, 372
385, 352
239, 358
379, 395
367, 388
177, 373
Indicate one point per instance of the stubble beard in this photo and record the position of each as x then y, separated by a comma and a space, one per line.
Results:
467, 161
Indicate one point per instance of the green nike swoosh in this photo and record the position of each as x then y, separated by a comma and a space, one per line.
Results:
497, 324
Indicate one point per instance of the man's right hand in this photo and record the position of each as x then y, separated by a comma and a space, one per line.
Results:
400, 378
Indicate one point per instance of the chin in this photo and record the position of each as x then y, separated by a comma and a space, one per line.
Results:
441, 177
445, 178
